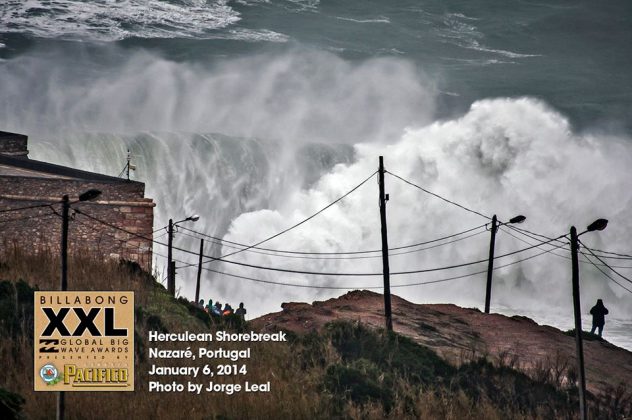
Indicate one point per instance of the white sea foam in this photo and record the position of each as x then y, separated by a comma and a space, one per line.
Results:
297, 96
459, 30
461, 16
107, 20
505, 156
380, 19
251, 35
475, 45
306, 3
468, 62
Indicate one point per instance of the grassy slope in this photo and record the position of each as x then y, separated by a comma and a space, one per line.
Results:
347, 371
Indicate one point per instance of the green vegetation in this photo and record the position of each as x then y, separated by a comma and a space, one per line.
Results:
347, 370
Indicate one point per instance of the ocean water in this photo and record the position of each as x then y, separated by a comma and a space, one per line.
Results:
255, 114
616, 329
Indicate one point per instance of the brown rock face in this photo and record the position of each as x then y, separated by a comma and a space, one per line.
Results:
459, 334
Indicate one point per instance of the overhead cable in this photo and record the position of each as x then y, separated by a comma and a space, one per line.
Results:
440, 197
323, 273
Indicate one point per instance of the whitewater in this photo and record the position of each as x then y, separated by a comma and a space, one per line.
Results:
255, 126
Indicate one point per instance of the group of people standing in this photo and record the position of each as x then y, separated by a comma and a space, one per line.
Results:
216, 309
598, 312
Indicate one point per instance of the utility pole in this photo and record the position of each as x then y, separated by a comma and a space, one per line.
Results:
490, 264
65, 210
171, 265
172, 270
386, 269
492, 244
199, 273
171, 278
583, 415
88, 195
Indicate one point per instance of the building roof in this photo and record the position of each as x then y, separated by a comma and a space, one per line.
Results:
16, 166
14, 161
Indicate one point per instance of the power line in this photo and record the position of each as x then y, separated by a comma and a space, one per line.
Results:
341, 252
426, 270
321, 273
17, 219
364, 287
347, 258
302, 221
211, 259
332, 255
561, 246
161, 235
604, 263
25, 208
345, 288
530, 234
608, 276
618, 256
440, 197
375, 287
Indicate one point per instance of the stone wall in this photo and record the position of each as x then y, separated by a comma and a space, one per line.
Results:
121, 205
13, 144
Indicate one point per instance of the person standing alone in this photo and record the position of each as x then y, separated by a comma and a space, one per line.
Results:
598, 313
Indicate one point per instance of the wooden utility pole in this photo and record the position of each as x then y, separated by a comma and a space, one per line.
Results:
65, 210
172, 271
583, 415
171, 278
490, 264
199, 273
386, 270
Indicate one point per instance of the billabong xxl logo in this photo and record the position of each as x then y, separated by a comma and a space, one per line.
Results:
86, 322
86, 341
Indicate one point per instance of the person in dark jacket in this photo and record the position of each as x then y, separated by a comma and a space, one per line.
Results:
599, 313
241, 311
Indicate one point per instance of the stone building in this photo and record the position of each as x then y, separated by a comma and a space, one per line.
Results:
39, 185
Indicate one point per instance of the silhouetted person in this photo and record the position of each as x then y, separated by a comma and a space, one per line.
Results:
599, 313
209, 306
201, 304
241, 311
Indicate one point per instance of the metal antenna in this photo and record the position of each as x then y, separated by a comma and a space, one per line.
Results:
129, 166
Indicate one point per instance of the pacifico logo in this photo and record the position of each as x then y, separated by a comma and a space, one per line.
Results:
84, 341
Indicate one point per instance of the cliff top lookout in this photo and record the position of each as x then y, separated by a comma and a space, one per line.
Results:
26, 182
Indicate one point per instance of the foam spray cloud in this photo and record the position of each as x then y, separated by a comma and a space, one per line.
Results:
299, 129
505, 156
297, 97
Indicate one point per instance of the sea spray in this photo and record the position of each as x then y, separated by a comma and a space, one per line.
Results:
225, 142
